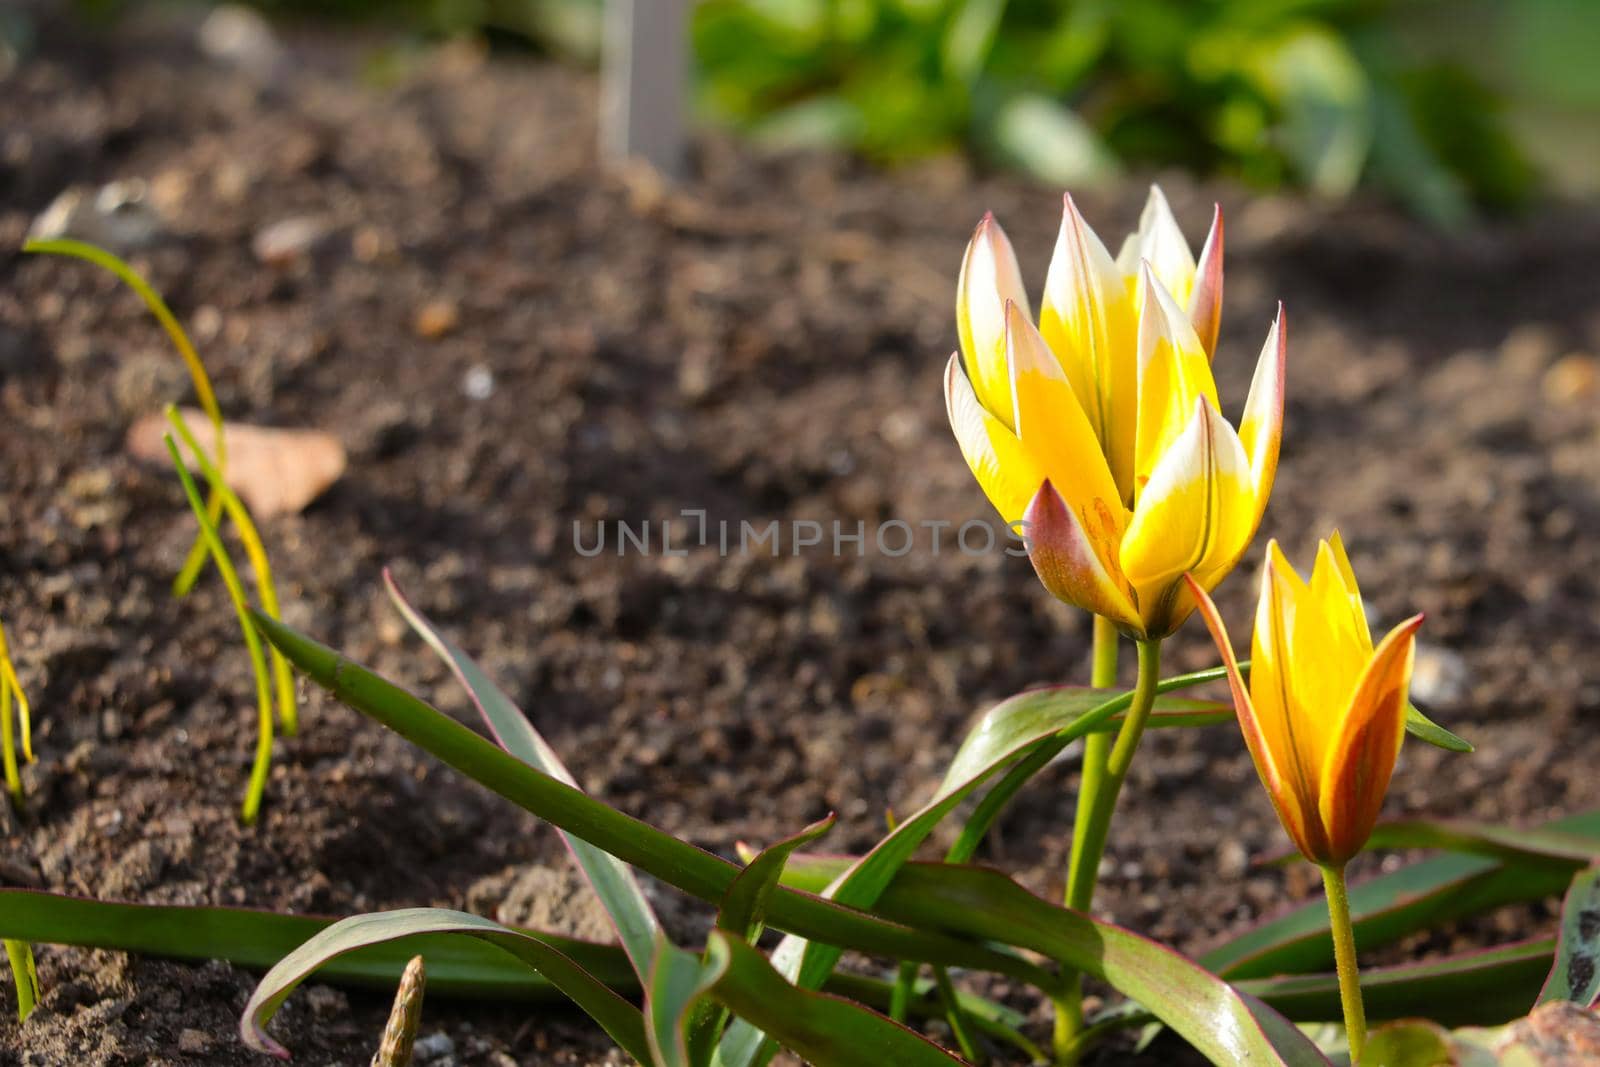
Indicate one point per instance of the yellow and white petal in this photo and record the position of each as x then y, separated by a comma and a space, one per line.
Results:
1205, 303
1087, 318
1196, 508
1174, 374
1261, 424
1007, 471
1159, 241
1285, 798
1365, 743
1051, 424
989, 278
1074, 555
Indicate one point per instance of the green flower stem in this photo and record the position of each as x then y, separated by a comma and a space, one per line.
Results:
1097, 801
1096, 754
1344, 954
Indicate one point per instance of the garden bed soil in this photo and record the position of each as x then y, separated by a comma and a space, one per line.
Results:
509, 340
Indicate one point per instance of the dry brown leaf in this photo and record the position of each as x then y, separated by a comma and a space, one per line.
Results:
275, 471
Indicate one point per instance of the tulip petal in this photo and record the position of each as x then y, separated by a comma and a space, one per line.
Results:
1261, 425
1004, 467
989, 278
1087, 318
1051, 424
1366, 742
1205, 303
1173, 374
1074, 556
1285, 798
1159, 241
1339, 604
1194, 514
1358, 609
1285, 732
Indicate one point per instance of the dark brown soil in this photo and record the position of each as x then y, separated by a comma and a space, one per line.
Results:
765, 343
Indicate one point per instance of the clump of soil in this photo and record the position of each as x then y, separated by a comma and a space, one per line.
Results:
510, 341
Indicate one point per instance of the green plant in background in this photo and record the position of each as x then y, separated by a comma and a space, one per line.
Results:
222, 500
19, 954
1320, 93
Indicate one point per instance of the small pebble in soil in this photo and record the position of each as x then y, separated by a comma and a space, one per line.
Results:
282, 243
1440, 678
194, 1042
1572, 379
478, 382
436, 1048
436, 318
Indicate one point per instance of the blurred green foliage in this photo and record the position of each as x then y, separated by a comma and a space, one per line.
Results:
1409, 96
1319, 93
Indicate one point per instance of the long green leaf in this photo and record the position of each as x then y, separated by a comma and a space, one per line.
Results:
1576, 973
822, 1028
19, 954
457, 967
611, 879
1535, 846
1053, 717
1196, 1004
675, 862
744, 908
677, 983
1476, 988
1391, 906
616, 1016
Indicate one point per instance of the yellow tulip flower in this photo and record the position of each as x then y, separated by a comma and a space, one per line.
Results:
1324, 712
1099, 432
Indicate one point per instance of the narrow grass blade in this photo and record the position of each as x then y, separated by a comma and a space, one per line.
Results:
611, 879
400, 1032
12, 696
1576, 973
180, 340
616, 1016
675, 862
283, 677
258, 660
19, 954
819, 1027
1391, 906
9, 681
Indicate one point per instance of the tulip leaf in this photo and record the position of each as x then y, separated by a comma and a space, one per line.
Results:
745, 906
1412, 1043
1487, 986
820, 1027
1391, 906
612, 880
1576, 974
631, 840
461, 967
620, 1019
678, 980
1423, 728
1500, 842
909, 924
